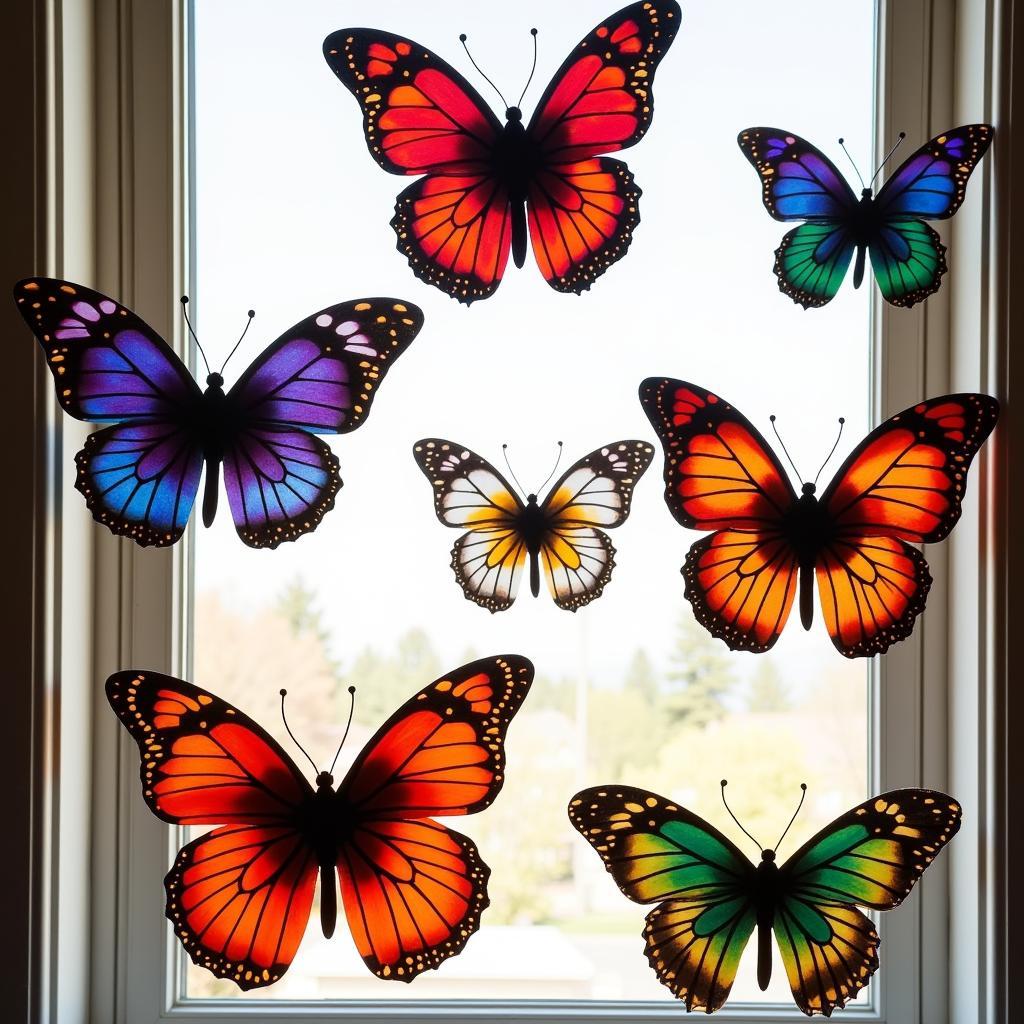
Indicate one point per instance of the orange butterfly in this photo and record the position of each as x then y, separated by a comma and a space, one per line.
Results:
903, 483
239, 897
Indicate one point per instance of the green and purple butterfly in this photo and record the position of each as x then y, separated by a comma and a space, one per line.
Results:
710, 897
140, 476
798, 182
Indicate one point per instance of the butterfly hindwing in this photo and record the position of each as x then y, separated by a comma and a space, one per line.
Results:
595, 493
413, 890
658, 851
903, 484
239, 897
872, 856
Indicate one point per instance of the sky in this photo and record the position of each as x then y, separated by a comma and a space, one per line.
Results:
292, 214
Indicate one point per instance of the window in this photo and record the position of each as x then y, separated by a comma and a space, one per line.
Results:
903, 735
290, 214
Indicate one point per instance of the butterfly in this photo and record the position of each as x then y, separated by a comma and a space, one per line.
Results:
902, 485
480, 183
562, 530
711, 897
239, 897
800, 183
140, 477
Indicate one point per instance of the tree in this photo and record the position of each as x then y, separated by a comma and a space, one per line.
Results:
641, 677
700, 675
768, 693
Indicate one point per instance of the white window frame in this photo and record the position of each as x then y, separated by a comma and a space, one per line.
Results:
96, 103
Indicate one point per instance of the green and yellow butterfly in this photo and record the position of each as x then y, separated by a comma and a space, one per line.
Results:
711, 897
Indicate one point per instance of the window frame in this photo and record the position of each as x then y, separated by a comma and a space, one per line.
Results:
107, 83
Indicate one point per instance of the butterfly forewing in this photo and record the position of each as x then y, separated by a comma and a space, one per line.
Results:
658, 851
413, 890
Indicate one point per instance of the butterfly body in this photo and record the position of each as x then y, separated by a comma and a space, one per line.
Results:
800, 183
487, 190
558, 535
710, 898
902, 485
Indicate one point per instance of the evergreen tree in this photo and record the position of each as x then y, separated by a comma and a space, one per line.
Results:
641, 677
699, 677
768, 692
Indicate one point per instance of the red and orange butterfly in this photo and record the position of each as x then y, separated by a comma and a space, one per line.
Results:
902, 485
483, 182
240, 896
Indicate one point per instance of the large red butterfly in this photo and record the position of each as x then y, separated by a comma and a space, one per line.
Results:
482, 182
902, 485
239, 897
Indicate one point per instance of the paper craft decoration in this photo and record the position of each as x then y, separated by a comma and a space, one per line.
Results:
800, 183
711, 897
902, 485
482, 182
140, 477
562, 530
412, 889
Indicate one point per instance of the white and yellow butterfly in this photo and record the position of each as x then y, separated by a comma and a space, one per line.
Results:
562, 530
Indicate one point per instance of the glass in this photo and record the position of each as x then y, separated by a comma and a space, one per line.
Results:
291, 214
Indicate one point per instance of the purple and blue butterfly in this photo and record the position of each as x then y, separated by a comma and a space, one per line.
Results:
141, 475
798, 182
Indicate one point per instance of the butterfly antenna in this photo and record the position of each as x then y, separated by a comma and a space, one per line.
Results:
899, 142
803, 787
245, 330
725, 782
552, 473
462, 39
783, 445
288, 729
512, 472
831, 453
533, 32
184, 313
852, 164
348, 725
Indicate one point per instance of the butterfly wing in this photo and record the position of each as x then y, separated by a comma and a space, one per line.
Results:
469, 492
320, 377
596, 492
657, 851
871, 856
239, 897
413, 890
720, 475
902, 485
907, 256
798, 182
582, 206
139, 478
421, 117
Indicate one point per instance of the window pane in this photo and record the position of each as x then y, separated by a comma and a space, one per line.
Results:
292, 215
